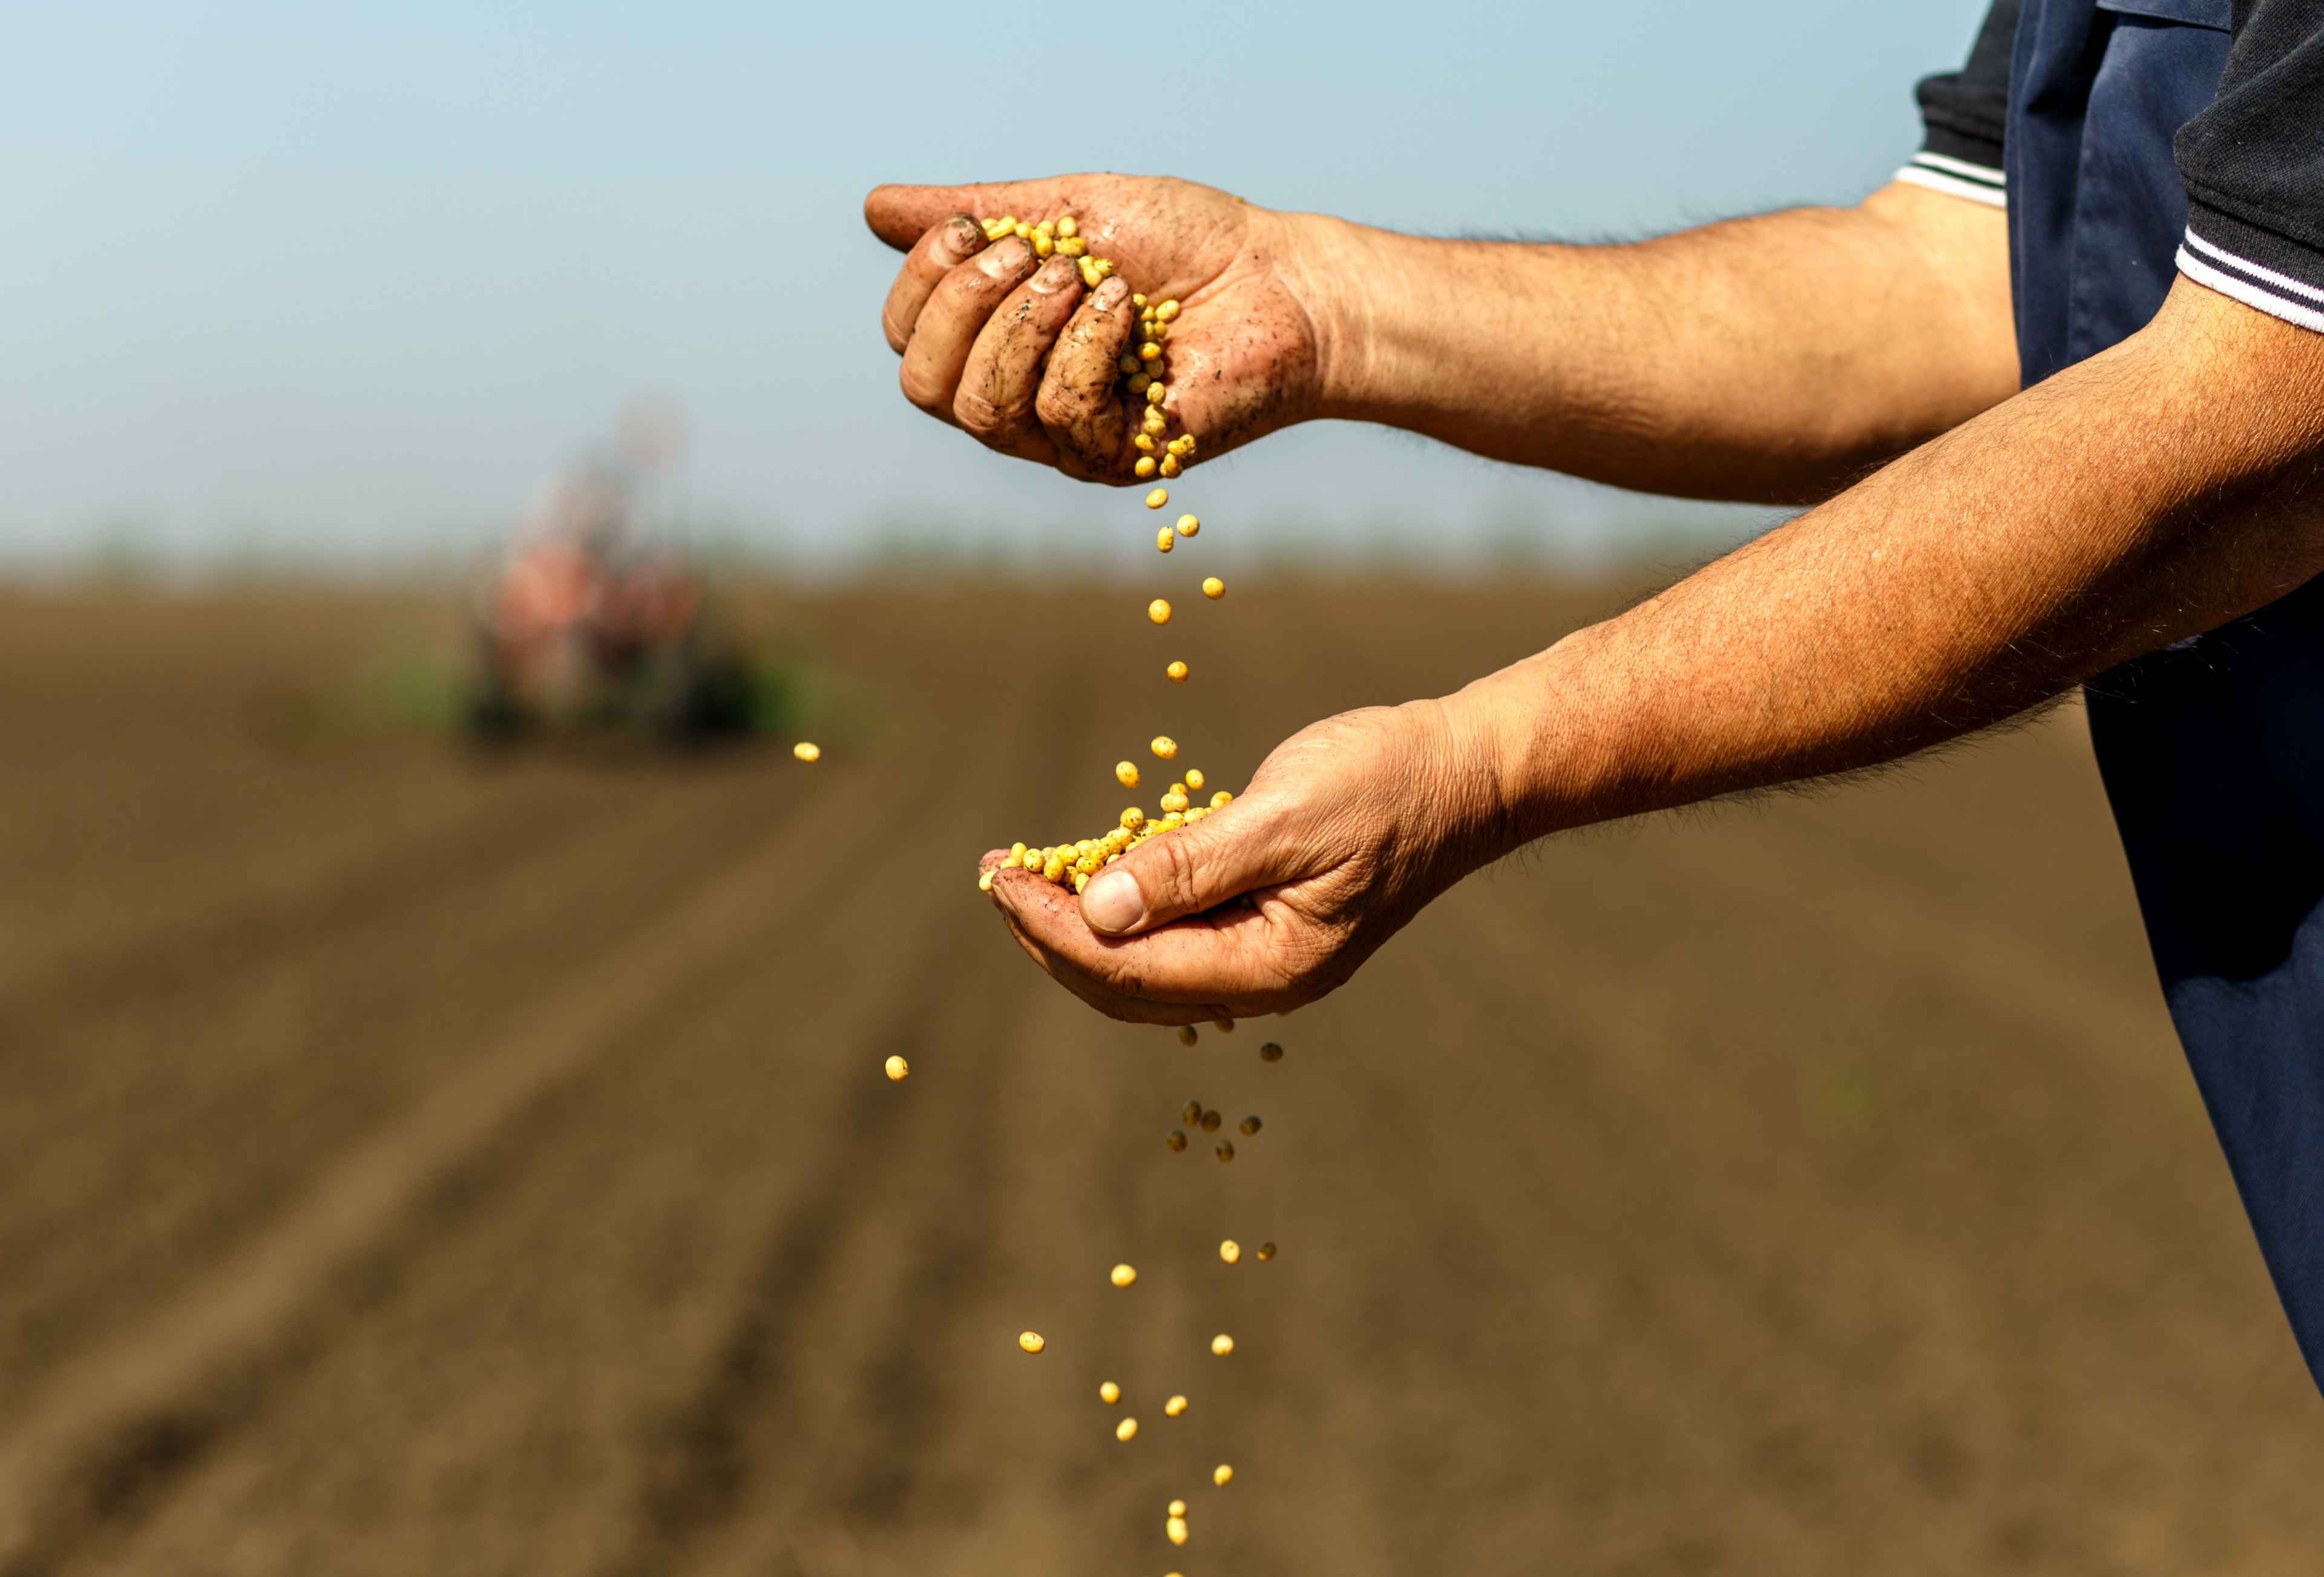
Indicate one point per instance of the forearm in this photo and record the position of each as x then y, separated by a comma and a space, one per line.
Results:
2153, 493
1769, 359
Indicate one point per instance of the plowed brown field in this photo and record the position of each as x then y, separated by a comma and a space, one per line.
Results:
420, 1165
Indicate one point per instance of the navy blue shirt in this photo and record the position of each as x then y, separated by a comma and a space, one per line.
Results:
2131, 141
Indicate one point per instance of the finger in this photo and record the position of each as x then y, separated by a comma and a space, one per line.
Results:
898, 215
955, 315
1234, 850
941, 248
1003, 376
1077, 405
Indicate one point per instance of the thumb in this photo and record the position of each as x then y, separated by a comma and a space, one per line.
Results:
1183, 872
901, 215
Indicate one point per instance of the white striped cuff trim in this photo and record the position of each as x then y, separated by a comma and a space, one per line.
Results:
1984, 173
2272, 292
1992, 197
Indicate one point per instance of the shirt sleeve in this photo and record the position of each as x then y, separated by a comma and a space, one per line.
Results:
2253, 165
1962, 114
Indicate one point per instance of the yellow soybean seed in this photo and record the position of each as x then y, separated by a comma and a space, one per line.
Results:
1176, 672
899, 1069
1167, 310
1210, 1121
1226, 1150
1053, 868
1164, 541
984, 881
1163, 746
1186, 1036
1128, 364
1174, 804
1176, 1528
1176, 1141
1144, 441
1187, 524
1139, 383
1214, 587
1270, 1052
1068, 225
1158, 498
1132, 819
1230, 1250
1145, 467
1123, 1275
1125, 1430
1178, 1509
1222, 799
1155, 393
1149, 352
1175, 1408
1250, 1125
807, 750
1072, 245
1156, 423
1137, 299
1043, 245
1126, 774
1193, 776
1223, 1475
1170, 466
1159, 611
1267, 1250
1192, 1114
1109, 1393
1222, 1344
1030, 1340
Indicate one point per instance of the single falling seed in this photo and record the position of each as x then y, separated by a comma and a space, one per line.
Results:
1122, 1274
1109, 1393
1164, 541
807, 750
1222, 1344
1176, 1528
1126, 774
1223, 1475
1191, 1114
1176, 672
1186, 1036
984, 881
1164, 747
1124, 1430
1210, 1121
1176, 1141
1175, 1408
1250, 1125
1178, 1509
1230, 1250
1160, 496
1147, 465
1194, 780
1031, 1341
899, 1069
1159, 611
1226, 1150
1267, 1250
1188, 525
1212, 587
1270, 1052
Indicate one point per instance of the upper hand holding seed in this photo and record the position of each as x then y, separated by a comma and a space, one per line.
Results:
1021, 355
1346, 832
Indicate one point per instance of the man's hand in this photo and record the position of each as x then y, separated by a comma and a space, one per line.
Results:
1347, 830
1018, 353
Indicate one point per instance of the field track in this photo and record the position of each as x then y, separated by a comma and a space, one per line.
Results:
416, 1164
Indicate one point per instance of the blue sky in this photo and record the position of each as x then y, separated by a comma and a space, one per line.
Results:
350, 279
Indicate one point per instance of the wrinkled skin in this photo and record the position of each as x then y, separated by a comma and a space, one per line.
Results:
1021, 355
1347, 830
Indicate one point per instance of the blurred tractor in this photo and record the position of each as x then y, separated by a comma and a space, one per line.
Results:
586, 630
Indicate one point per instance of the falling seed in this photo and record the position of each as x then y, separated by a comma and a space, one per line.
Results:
1223, 1026
1210, 1121
1030, 1340
1178, 1509
1123, 1275
1174, 1408
1270, 1052
1191, 1114
1226, 1150
899, 1069
1176, 1528
1222, 1344
1250, 1125
1230, 1250
1267, 1250
1125, 1429
1176, 1141
1109, 1393
807, 750
1223, 1475
1186, 1036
